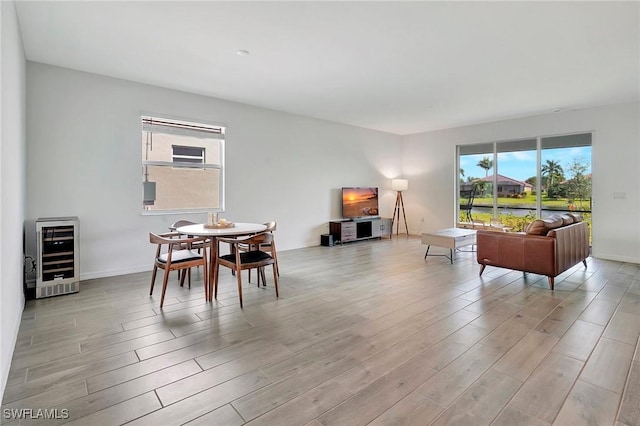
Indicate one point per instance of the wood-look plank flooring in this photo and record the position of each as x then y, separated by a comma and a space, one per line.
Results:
365, 333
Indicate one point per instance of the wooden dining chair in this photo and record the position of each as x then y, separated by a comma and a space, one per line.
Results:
251, 258
195, 246
179, 223
269, 247
171, 259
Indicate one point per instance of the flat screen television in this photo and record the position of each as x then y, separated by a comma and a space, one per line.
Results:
359, 202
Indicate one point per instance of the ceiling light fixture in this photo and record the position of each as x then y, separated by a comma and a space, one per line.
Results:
557, 110
242, 52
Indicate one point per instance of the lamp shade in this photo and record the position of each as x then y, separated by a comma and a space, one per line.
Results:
399, 184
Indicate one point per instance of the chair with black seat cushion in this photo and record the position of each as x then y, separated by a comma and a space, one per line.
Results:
195, 246
269, 247
170, 259
177, 224
239, 259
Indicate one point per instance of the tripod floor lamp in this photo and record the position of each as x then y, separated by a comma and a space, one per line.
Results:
399, 185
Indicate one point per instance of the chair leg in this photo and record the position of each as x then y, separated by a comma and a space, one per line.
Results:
551, 282
189, 273
259, 273
153, 279
275, 279
182, 274
482, 269
164, 287
205, 281
264, 278
584, 262
233, 251
275, 258
239, 276
215, 281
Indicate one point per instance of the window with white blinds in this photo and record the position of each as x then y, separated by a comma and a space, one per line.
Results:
182, 166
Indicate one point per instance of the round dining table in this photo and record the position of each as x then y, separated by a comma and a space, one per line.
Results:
201, 230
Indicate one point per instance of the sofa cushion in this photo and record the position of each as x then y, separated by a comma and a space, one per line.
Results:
543, 226
536, 227
576, 217
567, 219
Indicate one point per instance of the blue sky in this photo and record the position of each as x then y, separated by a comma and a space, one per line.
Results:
521, 165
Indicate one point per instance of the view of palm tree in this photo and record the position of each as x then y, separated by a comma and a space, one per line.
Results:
552, 170
486, 164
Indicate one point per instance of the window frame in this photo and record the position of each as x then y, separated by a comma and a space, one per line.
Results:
542, 142
195, 128
201, 157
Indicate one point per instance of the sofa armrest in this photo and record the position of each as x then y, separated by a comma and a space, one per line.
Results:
529, 253
572, 245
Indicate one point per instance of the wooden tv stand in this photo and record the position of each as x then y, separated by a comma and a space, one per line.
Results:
345, 231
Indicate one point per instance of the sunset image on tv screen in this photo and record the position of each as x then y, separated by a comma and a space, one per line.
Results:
357, 202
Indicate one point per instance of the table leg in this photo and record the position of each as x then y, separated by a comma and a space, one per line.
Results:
451, 254
213, 255
206, 290
425, 255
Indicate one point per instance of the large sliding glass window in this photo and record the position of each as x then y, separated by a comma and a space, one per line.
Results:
566, 174
516, 193
514, 182
475, 187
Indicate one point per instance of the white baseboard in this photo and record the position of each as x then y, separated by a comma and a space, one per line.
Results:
114, 272
617, 258
6, 363
31, 282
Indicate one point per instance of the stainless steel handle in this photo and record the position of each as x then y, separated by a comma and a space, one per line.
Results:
39, 251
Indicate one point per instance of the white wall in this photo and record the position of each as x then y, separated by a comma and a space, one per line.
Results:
429, 164
13, 184
84, 159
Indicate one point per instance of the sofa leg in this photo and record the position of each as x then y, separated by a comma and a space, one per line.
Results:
482, 269
550, 282
584, 262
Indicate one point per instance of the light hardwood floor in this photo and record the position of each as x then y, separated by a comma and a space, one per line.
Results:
362, 333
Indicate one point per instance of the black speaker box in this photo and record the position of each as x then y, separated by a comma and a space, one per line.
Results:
326, 240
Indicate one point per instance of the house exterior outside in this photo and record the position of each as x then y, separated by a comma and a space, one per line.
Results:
506, 185
181, 187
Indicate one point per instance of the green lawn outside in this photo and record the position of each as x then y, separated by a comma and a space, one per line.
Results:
529, 201
519, 223
516, 223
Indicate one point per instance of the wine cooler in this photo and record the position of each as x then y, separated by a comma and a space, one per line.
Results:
58, 256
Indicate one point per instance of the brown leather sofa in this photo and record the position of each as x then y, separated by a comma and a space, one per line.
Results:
547, 247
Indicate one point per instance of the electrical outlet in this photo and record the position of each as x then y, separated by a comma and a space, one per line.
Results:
619, 195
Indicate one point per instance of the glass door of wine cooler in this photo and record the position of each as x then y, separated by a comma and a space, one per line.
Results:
58, 268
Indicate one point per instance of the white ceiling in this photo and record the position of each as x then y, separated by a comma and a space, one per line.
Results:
396, 67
